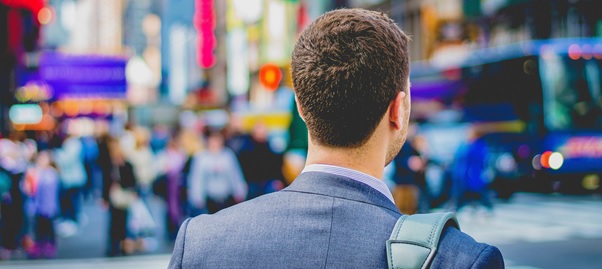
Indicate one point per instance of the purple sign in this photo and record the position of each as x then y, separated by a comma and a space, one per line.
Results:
437, 90
72, 76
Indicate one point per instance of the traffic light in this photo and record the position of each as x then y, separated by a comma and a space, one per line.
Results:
270, 76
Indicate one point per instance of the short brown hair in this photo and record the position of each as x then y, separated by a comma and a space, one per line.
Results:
347, 66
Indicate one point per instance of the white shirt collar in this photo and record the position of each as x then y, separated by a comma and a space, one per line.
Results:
369, 180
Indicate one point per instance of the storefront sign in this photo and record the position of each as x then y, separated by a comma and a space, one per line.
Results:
84, 76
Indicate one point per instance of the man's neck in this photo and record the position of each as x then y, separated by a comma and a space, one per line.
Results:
361, 159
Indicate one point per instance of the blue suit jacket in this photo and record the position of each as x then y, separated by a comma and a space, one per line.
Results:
320, 221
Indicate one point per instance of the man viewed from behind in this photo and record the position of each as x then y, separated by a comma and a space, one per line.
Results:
350, 72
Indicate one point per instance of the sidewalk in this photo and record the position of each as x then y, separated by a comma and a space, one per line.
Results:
89, 239
141, 261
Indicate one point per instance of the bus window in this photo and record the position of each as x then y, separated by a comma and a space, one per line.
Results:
506, 91
572, 90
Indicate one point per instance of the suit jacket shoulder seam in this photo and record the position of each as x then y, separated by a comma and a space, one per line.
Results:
344, 198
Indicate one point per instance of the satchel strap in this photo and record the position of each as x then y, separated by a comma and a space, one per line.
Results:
414, 239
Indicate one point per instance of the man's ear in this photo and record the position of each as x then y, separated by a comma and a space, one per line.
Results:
299, 108
395, 111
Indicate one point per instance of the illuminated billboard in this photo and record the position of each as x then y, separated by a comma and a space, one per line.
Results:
85, 76
205, 22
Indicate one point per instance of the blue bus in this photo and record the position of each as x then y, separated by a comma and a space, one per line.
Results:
538, 104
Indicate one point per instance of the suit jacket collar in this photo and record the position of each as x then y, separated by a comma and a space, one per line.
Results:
340, 187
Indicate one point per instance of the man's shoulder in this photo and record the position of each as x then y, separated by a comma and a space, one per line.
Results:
260, 209
458, 250
290, 228
304, 226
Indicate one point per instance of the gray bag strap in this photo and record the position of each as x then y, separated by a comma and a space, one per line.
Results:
414, 239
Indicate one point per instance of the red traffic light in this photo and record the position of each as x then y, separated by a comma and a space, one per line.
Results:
270, 76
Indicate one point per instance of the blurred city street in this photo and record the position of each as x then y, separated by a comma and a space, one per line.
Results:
85, 248
146, 262
542, 231
119, 119
532, 231
89, 241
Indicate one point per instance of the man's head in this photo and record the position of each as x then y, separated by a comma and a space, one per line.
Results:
347, 68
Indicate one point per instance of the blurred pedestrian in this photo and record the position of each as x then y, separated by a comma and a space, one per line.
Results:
471, 174
296, 149
159, 138
173, 159
350, 70
118, 194
90, 155
236, 137
192, 144
43, 187
105, 164
408, 172
70, 162
261, 166
431, 180
13, 164
143, 161
215, 180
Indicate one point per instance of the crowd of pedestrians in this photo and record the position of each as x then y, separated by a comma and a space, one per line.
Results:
45, 178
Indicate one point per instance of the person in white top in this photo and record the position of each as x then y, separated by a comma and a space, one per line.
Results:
216, 180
